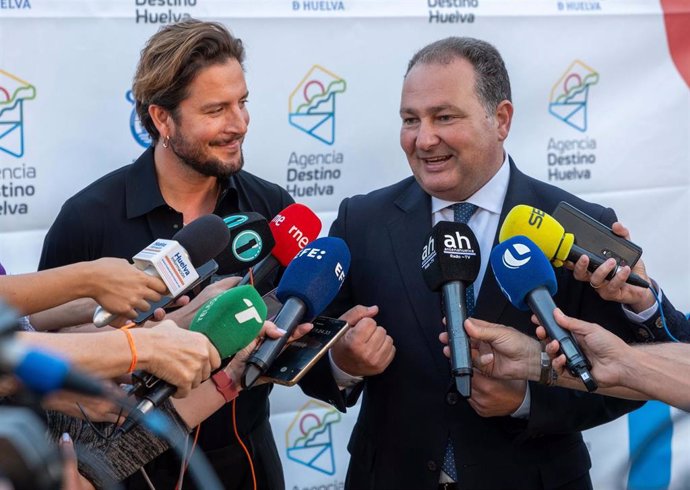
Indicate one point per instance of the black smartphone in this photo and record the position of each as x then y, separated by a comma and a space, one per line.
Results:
205, 271
301, 355
596, 237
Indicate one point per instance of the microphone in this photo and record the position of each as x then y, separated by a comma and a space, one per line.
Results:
174, 261
231, 321
310, 282
250, 242
38, 369
450, 262
552, 239
293, 228
527, 279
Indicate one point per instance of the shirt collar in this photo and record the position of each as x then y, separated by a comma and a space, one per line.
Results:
489, 197
143, 193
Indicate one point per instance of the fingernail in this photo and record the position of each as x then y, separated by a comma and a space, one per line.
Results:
282, 332
65, 437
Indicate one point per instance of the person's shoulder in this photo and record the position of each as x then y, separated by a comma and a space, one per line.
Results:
101, 192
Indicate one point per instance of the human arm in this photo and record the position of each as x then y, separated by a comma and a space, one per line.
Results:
113, 283
178, 356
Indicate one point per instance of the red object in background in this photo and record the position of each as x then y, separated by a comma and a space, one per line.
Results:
677, 21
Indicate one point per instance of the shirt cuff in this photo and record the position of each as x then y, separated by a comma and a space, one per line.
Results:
522, 411
342, 379
645, 315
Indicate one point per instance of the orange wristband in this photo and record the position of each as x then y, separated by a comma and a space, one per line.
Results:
132, 346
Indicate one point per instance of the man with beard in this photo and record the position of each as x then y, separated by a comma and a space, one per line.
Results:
191, 97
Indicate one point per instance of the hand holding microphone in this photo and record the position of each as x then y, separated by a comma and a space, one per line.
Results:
526, 278
175, 261
310, 282
230, 321
553, 240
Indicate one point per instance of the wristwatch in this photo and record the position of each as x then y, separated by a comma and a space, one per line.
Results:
225, 385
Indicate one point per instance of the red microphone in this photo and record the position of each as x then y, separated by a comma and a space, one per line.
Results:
293, 228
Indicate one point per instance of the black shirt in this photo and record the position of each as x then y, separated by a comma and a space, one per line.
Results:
117, 216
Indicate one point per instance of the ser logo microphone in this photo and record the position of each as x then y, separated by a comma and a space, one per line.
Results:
536, 218
517, 259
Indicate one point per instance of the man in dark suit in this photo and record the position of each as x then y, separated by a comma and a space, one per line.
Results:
414, 431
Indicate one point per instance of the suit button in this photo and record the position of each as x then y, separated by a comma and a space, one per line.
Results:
452, 398
431, 465
658, 323
643, 333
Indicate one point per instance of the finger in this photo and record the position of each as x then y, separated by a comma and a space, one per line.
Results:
488, 332
598, 277
541, 333
558, 364
485, 359
158, 314
142, 305
182, 300
573, 324
271, 330
580, 271
619, 229
70, 469
552, 348
356, 313
446, 352
443, 338
363, 330
301, 330
213, 358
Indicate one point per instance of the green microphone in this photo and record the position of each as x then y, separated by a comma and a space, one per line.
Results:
230, 321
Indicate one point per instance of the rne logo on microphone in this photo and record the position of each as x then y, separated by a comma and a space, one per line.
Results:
299, 237
249, 314
512, 261
278, 219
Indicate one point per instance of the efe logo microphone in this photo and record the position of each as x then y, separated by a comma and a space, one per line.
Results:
513, 262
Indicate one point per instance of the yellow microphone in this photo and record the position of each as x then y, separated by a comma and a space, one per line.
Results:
550, 236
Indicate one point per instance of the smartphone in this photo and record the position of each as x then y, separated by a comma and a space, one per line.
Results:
301, 355
596, 237
205, 271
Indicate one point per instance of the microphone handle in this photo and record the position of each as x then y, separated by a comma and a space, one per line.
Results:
541, 303
455, 311
261, 270
287, 318
160, 392
595, 261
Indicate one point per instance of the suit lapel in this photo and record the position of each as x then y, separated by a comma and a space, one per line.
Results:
408, 231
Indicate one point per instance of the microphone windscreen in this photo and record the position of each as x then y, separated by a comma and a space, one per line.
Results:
231, 320
250, 241
293, 228
541, 228
316, 274
42, 372
451, 253
203, 238
520, 267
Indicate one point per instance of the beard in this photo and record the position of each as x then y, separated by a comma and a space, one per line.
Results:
194, 157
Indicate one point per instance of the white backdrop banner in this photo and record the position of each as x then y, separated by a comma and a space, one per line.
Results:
602, 109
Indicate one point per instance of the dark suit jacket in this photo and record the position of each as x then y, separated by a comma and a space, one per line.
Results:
409, 411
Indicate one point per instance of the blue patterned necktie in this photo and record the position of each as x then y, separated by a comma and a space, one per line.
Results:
462, 212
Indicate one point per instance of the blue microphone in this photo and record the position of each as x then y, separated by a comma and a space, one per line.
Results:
310, 282
526, 277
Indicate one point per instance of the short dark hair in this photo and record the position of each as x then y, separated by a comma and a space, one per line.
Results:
493, 84
171, 60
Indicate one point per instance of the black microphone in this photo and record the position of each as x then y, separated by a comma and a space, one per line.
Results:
451, 262
527, 279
